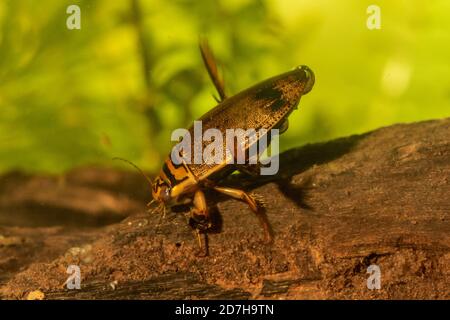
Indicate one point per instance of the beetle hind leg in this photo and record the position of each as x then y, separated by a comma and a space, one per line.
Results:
253, 205
211, 66
240, 195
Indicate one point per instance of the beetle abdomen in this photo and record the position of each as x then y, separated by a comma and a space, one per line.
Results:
264, 105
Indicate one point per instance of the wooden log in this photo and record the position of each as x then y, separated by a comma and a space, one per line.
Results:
336, 208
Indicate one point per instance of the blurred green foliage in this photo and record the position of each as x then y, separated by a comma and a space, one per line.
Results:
133, 73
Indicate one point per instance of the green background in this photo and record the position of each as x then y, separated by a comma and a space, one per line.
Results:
133, 73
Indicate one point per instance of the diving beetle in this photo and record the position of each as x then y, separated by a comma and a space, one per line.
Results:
265, 105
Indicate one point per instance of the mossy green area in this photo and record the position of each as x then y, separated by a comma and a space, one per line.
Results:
132, 74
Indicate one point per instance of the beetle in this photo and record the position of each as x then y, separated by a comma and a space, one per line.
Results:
265, 105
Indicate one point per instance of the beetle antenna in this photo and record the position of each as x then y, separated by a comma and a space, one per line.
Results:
137, 168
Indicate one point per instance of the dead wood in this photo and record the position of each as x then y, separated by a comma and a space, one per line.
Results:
381, 198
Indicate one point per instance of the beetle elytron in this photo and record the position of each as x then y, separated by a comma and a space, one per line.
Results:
265, 105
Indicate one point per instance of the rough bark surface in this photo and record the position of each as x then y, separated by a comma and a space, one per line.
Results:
381, 198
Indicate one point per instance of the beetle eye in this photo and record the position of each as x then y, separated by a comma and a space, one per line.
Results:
165, 194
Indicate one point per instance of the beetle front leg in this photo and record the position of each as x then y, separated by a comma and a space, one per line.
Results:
242, 195
200, 220
200, 213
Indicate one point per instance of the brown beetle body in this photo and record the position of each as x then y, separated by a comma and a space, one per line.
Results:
265, 105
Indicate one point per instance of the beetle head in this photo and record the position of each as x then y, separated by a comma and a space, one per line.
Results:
161, 191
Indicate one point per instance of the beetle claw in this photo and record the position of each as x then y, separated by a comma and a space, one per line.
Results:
199, 222
204, 249
259, 199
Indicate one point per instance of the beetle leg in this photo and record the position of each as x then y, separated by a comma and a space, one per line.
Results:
211, 67
200, 221
242, 195
200, 213
204, 249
